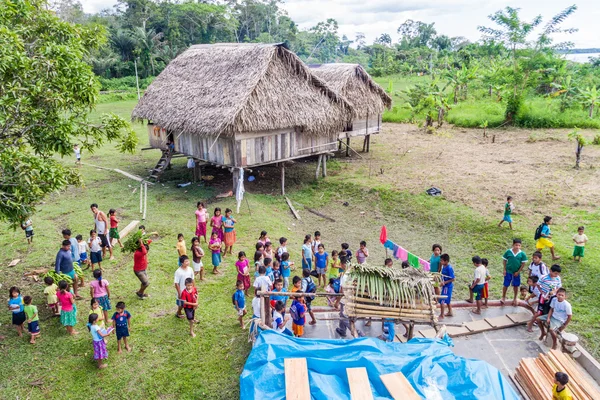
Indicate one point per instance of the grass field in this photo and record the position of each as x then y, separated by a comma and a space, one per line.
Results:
165, 362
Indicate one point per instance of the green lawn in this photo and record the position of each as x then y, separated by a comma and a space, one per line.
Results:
166, 363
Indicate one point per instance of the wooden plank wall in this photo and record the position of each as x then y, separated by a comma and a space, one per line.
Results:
157, 136
222, 152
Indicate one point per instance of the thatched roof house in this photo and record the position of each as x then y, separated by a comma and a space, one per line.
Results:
367, 98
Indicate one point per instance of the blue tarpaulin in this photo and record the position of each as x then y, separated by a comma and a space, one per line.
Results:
429, 365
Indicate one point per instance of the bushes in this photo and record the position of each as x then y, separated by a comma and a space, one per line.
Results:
125, 83
471, 114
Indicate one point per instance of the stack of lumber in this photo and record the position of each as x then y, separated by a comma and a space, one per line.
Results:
536, 377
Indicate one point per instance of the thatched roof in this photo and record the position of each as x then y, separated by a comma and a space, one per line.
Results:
221, 89
355, 84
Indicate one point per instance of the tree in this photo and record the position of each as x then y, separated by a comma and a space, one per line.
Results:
566, 90
580, 140
589, 97
150, 43
416, 34
47, 92
384, 39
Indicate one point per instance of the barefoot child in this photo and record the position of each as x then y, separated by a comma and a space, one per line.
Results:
33, 319
543, 235
286, 268
533, 293
83, 248
95, 244
97, 309
201, 215
68, 309
242, 265
98, 335
16, 307
100, 292
537, 266
362, 253
513, 260
229, 236
558, 318
197, 254
239, 302
580, 240
508, 209
434, 262
50, 292
333, 269
215, 247
333, 287
121, 323
180, 246
447, 285
113, 232
321, 261
297, 312
307, 253
314, 245
216, 223
27, 226
308, 286
488, 277
478, 283
281, 249
189, 296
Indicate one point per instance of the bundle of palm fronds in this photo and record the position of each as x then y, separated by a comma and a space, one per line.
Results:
401, 293
133, 242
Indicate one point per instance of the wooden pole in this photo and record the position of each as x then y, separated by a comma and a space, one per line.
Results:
236, 178
141, 198
368, 143
268, 318
324, 165
282, 179
145, 200
347, 147
318, 166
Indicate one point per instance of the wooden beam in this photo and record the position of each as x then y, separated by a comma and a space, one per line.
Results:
297, 386
282, 167
126, 231
289, 203
319, 214
324, 161
318, 166
131, 176
399, 387
358, 380
14, 262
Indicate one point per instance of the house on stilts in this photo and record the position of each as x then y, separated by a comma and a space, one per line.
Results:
240, 106
367, 98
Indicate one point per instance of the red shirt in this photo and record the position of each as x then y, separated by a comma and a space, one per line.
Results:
140, 259
113, 221
192, 296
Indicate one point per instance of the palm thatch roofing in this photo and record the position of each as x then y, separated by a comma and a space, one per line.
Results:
221, 89
354, 83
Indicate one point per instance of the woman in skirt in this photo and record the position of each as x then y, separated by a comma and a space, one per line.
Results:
98, 335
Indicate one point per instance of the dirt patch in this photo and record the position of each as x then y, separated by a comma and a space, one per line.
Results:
535, 167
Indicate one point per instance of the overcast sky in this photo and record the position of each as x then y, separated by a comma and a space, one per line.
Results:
451, 17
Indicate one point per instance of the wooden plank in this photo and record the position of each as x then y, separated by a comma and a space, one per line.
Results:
360, 388
400, 338
296, 379
500, 322
399, 387
457, 330
428, 333
14, 262
478, 326
126, 231
289, 203
134, 177
520, 318
318, 213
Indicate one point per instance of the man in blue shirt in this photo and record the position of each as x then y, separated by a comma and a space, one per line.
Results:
64, 264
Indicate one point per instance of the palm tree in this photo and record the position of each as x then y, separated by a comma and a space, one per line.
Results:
150, 43
124, 43
589, 97
566, 90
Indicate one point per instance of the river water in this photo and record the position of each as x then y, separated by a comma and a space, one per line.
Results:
581, 57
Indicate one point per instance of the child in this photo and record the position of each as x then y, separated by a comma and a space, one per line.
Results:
282, 248
276, 271
33, 319
346, 248
77, 152
197, 254
333, 301
82, 248
543, 236
308, 286
27, 226
263, 238
228, 231
333, 270
113, 232
216, 223
478, 282
50, 292
256, 306
278, 287
580, 240
558, 318
513, 260
286, 268
180, 246
201, 215
215, 247
97, 309
316, 242
486, 291
447, 285
307, 253
239, 302
296, 284
15, 306
269, 269
388, 263
344, 261
508, 209
533, 291
321, 261
121, 323
434, 260
100, 292
268, 251
524, 292
242, 265
537, 266
68, 309
258, 261
189, 296
362, 253
279, 321
297, 312
262, 280
560, 391
98, 335
95, 244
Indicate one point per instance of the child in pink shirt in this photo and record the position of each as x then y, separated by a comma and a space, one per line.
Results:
201, 215
100, 292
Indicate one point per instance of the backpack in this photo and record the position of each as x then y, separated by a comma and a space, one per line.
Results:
310, 285
336, 285
294, 312
538, 232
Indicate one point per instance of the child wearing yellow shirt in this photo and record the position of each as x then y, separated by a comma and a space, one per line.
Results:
560, 391
181, 250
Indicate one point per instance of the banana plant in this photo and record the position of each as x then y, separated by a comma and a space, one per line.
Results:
589, 97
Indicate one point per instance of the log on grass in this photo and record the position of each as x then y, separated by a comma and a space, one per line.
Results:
126, 231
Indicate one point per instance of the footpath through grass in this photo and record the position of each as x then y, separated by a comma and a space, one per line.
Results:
165, 362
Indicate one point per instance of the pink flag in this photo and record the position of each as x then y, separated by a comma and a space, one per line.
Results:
402, 254
383, 235
424, 264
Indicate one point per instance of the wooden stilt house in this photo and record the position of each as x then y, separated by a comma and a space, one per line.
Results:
241, 106
367, 98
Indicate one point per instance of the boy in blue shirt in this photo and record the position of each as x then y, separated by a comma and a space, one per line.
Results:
269, 268
543, 239
447, 285
278, 287
321, 261
239, 302
286, 268
297, 311
121, 325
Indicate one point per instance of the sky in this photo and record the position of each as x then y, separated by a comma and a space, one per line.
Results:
451, 17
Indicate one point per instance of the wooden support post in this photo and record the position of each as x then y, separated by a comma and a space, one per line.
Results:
324, 161
145, 200
347, 147
411, 330
197, 171
318, 166
282, 166
267, 317
364, 144
141, 198
368, 143
236, 178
